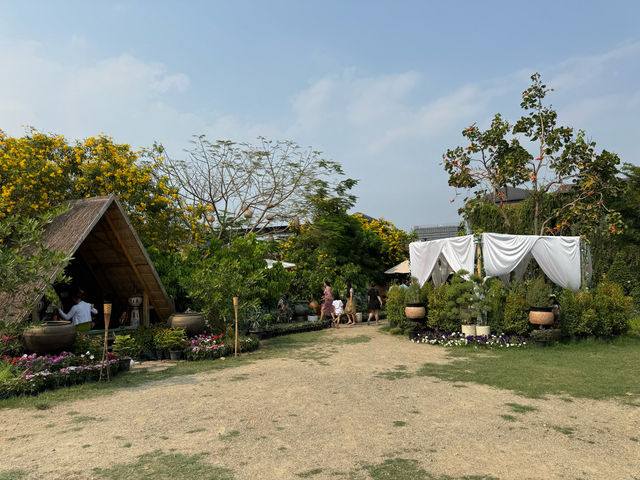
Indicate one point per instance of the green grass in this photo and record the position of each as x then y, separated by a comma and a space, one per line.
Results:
509, 418
589, 369
408, 469
398, 372
309, 473
399, 423
633, 439
85, 419
163, 466
518, 408
13, 474
229, 436
564, 430
127, 445
196, 430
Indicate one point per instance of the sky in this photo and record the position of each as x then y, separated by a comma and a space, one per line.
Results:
384, 88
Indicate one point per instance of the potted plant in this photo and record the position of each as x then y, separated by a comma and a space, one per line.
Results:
125, 347
481, 301
414, 307
173, 339
462, 290
540, 303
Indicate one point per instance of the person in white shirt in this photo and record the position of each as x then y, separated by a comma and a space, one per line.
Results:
80, 313
337, 312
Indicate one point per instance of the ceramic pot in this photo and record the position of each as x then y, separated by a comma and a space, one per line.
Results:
193, 323
483, 330
415, 311
541, 316
469, 330
53, 337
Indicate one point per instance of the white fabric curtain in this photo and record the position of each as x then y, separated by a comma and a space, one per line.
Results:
457, 252
558, 257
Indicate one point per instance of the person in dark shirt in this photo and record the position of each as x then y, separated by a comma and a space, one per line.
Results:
374, 302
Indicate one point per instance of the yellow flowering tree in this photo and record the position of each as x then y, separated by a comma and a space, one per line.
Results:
395, 242
39, 171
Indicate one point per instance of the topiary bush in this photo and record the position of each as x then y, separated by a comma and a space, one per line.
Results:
495, 296
395, 307
516, 312
446, 301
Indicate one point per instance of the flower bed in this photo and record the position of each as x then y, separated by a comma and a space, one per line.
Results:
458, 339
207, 346
31, 374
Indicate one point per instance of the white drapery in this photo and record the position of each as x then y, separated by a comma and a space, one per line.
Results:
558, 257
425, 257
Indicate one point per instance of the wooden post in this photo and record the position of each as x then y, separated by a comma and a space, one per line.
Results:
145, 308
235, 308
479, 253
105, 347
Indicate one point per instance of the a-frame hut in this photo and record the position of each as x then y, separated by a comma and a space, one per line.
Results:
108, 263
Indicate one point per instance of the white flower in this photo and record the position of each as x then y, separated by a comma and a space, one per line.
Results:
91, 357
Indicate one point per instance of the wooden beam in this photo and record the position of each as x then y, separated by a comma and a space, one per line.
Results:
145, 309
127, 254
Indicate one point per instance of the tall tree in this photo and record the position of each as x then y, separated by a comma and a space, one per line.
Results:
569, 181
245, 186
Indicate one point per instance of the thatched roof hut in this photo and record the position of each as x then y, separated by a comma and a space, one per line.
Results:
109, 261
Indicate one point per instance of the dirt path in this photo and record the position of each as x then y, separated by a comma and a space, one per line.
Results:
348, 406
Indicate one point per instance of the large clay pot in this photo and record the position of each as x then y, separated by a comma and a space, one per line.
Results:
53, 337
483, 330
415, 311
300, 309
541, 316
193, 323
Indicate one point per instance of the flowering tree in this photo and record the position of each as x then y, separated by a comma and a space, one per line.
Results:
39, 171
395, 242
569, 181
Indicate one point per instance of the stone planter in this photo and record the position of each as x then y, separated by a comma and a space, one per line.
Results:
175, 354
541, 316
193, 323
312, 318
124, 364
359, 317
53, 337
483, 330
415, 311
469, 330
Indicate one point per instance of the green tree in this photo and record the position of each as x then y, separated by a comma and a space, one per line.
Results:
569, 181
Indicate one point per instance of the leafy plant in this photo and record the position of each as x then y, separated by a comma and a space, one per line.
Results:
171, 339
125, 346
396, 300
516, 312
413, 293
539, 294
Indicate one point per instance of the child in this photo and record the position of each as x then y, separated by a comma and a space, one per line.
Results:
337, 311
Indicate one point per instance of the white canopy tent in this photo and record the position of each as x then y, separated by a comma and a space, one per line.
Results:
437, 258
558, 257
285, 265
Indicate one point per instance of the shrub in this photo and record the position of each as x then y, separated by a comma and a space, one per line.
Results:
395, 307
125, 346
144, 337
413, 292
88, 343
539, 294
495, 295
396, 331
437, 317
446, 301
516, 313
605, 311
171, 339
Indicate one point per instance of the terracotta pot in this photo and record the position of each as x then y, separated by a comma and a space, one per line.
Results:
315, 306
469, 330
415, 311
193, 323
53, 337
541, 316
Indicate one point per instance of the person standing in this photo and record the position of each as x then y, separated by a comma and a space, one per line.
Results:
374, 302
350, 309
80, 313
337, 312
327, 301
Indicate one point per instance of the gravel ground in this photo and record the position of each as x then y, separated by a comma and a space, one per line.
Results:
325, 411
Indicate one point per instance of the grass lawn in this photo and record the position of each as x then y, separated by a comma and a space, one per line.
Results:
589, 369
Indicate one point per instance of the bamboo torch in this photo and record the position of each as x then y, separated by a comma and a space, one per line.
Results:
235, 308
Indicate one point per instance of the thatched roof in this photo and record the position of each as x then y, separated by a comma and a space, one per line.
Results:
97, 230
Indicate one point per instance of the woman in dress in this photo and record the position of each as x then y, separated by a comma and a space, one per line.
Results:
374, 302
350, 309
327, 301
